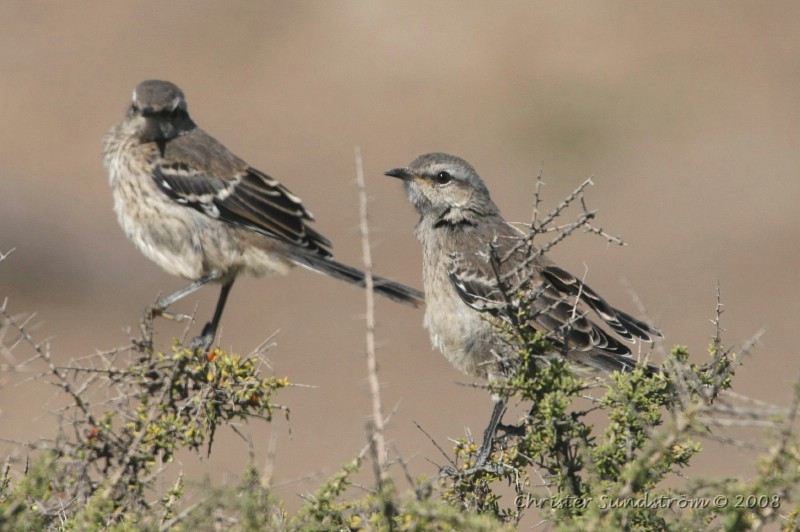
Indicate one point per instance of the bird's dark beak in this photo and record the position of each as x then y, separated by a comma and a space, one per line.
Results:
148, 111
400, 173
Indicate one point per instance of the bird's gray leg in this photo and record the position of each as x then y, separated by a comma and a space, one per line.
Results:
206, 338
162, 303
486, 447
488, 435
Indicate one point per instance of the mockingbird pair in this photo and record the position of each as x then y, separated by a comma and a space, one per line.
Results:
202, 213
475, 264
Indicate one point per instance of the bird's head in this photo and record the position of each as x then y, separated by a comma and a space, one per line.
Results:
446, 188
159, 111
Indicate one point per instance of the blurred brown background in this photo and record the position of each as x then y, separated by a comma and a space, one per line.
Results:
685, 113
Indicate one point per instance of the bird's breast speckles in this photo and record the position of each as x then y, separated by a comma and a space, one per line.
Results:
463, 335
164, 232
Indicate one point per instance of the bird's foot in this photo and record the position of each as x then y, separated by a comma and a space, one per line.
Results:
177, 316
202, 343
484, 467
146, 326
482, 464
159, 309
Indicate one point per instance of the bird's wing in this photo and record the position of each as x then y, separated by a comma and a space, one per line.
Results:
622, 323
223, 187
511, 279
476, 284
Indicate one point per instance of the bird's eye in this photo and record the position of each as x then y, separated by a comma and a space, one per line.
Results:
442, 178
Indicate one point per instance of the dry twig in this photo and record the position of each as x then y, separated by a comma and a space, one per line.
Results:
376, 431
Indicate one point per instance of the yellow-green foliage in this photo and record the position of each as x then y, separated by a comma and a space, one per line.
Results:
100, 474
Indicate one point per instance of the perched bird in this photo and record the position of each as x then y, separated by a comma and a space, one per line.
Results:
474, 262
202, 213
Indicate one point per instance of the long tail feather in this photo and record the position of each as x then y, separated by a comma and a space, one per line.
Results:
390, 289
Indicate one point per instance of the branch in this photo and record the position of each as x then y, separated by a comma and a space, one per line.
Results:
377, 441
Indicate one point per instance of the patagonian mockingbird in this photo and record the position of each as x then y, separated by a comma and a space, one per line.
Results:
474, 262
202, 213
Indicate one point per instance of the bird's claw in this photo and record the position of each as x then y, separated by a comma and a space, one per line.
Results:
201, 343
480, 467
152, 313
177, 316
